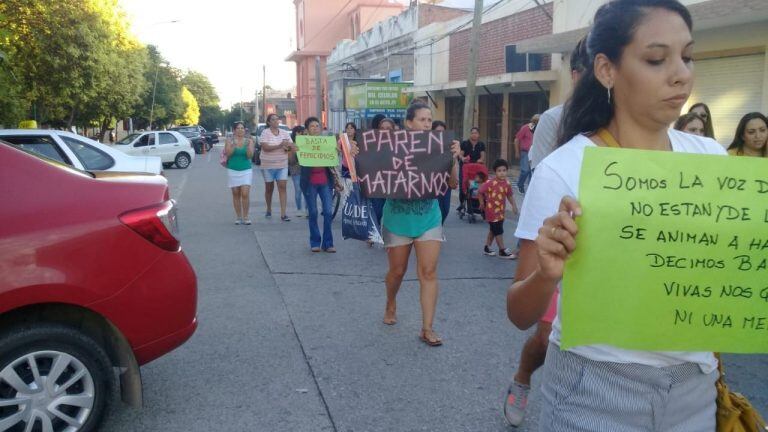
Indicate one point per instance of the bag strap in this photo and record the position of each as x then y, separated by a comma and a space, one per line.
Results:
608, 138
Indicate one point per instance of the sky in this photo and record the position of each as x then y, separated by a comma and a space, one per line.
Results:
229, 41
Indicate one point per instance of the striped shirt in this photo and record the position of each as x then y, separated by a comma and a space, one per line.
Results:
273, 159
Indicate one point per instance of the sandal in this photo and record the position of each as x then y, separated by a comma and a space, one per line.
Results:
433, 341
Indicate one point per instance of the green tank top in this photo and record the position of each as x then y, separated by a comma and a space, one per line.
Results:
411, 218
238, 160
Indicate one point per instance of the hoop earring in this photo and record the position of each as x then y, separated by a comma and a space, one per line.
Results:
609, 95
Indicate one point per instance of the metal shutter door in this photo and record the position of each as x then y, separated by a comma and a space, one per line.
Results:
731, 87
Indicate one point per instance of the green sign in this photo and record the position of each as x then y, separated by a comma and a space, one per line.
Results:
317, 151
672, 253
378, 95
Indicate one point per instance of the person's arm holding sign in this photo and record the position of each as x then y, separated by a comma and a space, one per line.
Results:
527, 299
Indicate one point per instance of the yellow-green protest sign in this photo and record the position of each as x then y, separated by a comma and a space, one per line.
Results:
672, 253
317, 151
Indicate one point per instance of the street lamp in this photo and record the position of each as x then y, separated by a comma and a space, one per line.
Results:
154, 88
157, 69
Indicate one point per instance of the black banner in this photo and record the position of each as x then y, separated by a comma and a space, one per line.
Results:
404, 164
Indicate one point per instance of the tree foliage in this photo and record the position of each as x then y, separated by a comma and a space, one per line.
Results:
192, 110
75, 62
201, 87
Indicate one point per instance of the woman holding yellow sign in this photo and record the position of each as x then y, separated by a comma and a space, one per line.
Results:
640, 75
317, 182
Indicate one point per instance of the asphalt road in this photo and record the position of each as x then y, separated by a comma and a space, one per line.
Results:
293, 341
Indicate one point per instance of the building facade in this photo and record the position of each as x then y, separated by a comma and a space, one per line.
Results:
730, 63
510, 87
320, 24
383, 54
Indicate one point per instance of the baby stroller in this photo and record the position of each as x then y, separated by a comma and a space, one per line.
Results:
471, 205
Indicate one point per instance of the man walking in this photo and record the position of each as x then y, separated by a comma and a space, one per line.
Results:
523, 141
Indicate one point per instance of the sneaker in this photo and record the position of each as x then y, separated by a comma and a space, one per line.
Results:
507, 254
247, 222
238, 221
285, 218
268, 215
488, 251
515, 403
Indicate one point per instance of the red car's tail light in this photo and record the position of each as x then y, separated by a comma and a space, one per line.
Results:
155, 223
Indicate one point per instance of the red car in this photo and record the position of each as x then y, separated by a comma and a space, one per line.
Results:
93, 283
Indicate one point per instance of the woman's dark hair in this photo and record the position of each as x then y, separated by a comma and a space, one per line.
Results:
579, 56
475, 128
354, 126
738, 139
387, 120
310, 120
437, 123
269, 116
614, 26
709, 128
295, 131
684, 119
376, 120
415, 107
235, 124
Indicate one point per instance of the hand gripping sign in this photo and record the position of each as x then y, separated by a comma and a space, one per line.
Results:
404, 164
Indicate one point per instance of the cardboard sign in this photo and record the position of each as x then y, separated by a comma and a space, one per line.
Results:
672, 253
404, 164
317, 151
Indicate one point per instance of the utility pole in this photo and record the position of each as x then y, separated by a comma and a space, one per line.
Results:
474, 46
318, 90
264, 92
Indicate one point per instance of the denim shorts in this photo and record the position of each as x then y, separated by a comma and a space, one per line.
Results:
272, 174
393, 240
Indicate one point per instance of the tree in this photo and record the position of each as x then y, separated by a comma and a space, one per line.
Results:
192, 111
74, 59
201, 87
164, 81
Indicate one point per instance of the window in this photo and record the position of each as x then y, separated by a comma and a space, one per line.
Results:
91, 157
521, 62
42, 145
166, 138
146, 140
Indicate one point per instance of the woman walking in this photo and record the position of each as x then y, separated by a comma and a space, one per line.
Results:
239, 150
751, 136
275, 145
318, 182
638, 79
415, 224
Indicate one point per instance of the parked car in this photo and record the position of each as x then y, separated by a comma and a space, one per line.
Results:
93, 282
196, 135
80, 152
256, 134
212, 138
172, 147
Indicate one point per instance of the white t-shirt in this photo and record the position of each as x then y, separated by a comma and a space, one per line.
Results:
545, 136
558, 176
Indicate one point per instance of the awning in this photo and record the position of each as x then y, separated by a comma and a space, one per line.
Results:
299, 55
706, 15
514, 79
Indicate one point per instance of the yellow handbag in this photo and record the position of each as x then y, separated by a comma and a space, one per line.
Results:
734, 412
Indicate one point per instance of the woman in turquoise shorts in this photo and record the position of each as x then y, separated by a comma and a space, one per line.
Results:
415, 224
